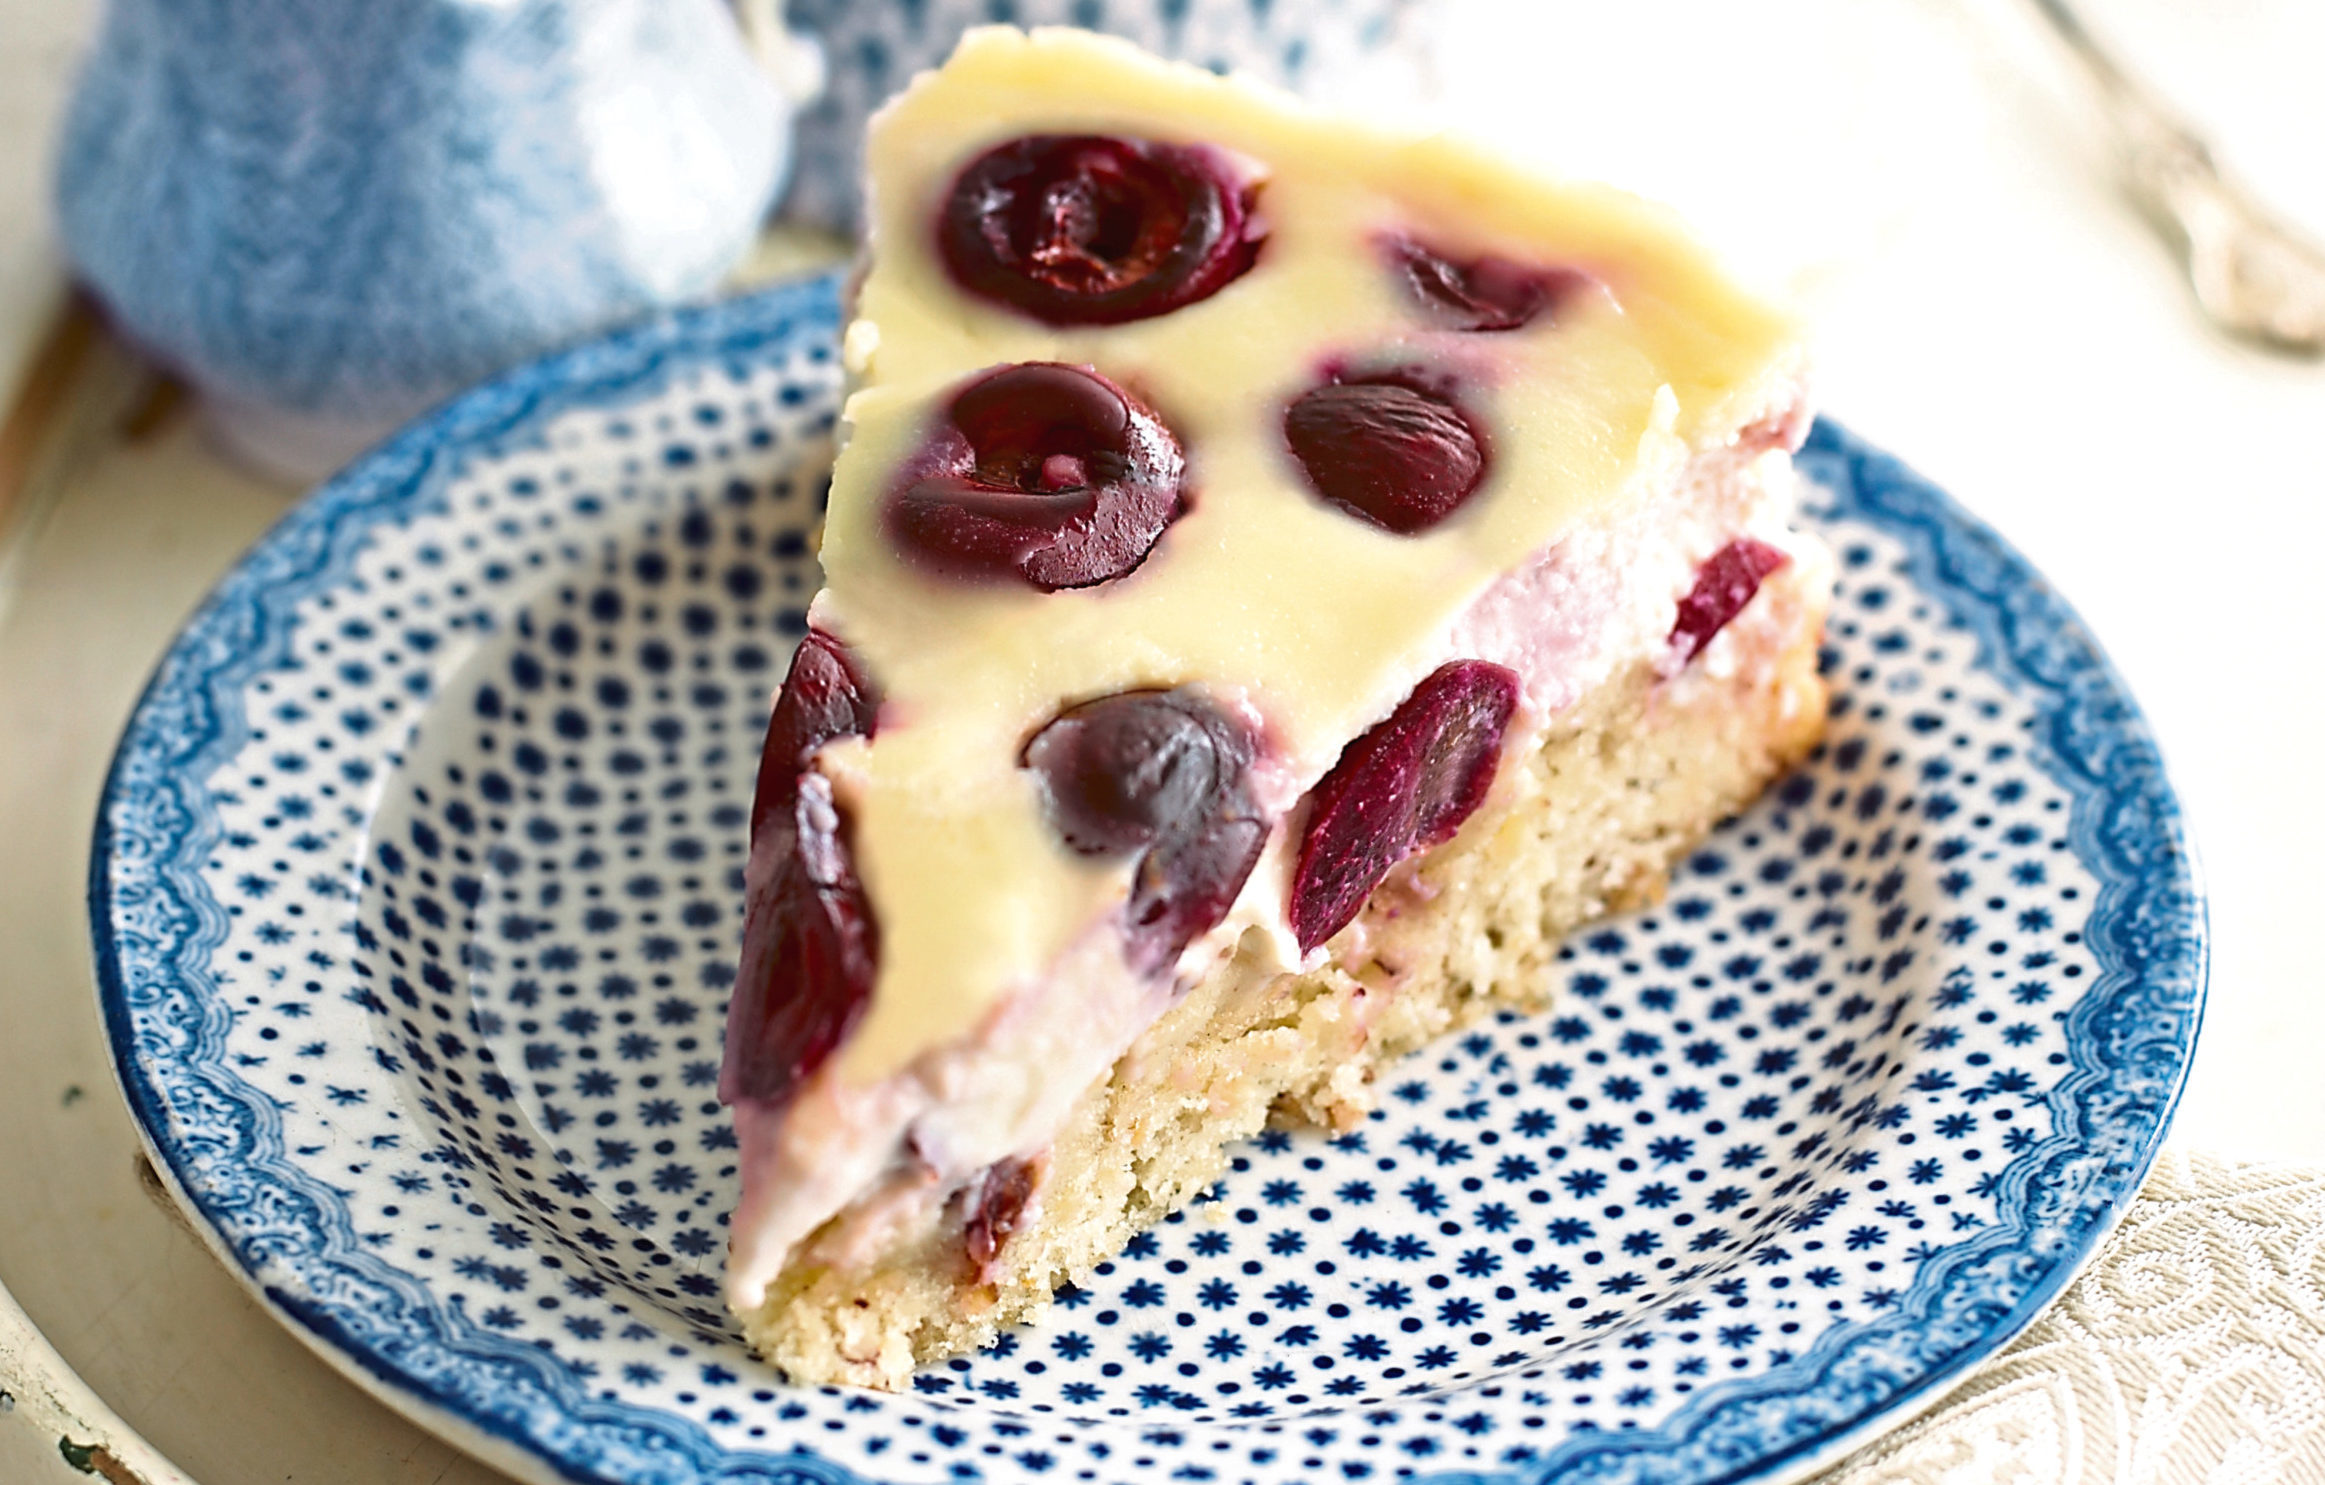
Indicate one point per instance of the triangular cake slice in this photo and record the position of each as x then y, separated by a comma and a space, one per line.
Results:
1281, 575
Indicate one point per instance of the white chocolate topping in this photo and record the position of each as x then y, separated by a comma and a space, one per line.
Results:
1260, 592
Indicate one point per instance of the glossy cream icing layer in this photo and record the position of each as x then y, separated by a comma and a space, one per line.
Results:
1260, 587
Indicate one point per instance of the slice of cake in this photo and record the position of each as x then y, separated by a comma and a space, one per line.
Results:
1281, 577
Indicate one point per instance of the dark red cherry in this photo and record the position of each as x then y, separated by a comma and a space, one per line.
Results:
825, 695
1117, 772
1186, 882
811, 946
1042, 473
1402, 787
1163, 774
996, 1206
1723, 586
1083, 229
1401, 457
1485, 293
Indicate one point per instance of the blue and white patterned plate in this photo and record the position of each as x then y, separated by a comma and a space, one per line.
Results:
416, 893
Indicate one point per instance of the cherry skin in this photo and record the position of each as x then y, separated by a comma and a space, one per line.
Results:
1119, 771
1723, 585
996, 1206
1039, 473
1164, 776
1084, 229
1402, 787
811, 946
1390, 453
1480, 294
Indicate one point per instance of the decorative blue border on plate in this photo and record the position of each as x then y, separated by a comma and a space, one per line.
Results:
156, 925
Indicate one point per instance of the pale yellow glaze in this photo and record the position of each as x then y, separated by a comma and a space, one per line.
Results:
1260, 590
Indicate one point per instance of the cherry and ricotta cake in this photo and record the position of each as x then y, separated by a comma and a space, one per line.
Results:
1280, 577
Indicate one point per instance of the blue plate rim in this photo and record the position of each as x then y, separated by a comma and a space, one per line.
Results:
2149, 927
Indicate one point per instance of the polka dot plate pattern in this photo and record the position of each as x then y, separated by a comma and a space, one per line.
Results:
416, 900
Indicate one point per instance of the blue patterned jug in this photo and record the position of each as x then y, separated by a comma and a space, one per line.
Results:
329, 214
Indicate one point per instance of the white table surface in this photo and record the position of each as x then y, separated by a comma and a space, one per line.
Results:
1986, 305
1990, 310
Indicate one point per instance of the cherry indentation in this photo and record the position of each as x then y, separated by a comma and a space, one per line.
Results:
1723, 585
1165, 775
1082, 229
1402, 787
1398, 456
1045, 473
1485, 293
811, 946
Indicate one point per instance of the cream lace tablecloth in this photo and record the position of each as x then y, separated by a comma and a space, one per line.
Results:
2193, 1350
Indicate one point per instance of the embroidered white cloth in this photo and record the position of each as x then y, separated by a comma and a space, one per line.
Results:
2192, 1350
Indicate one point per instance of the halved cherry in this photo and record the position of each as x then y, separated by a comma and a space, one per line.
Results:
1042, 472
1164, 775
1186, 882
1723, 585
996, 1206
811, 946
1087, 229
1388, 450
1484, 293
1402, 787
